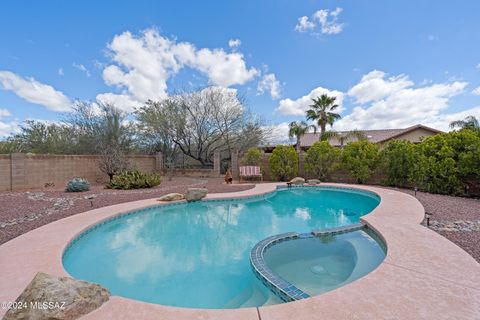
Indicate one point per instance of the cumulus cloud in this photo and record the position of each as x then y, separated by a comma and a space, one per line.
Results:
304, 24
299, 106
234, 43
278, 133
36, 92
82, 68
60, 72
269, 83
123, 102
7, 128
394, 102
326, 21
442, 121
476, 91
142, 64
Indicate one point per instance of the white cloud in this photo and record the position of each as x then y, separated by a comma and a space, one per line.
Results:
442, 121
234, 43
142, 64
299, 106
373, 86
121, 101
36, 92
7, 128
394, 102
329, 21
432, 37
4, 113
304, 24
278, 133
60, 72
476, 91
478, 66
269, 83
82, 68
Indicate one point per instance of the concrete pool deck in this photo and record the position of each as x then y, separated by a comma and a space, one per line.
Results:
424, 276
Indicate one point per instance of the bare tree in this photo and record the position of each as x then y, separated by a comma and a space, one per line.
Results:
202, 122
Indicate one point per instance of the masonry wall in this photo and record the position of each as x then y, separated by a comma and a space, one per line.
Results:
30, 171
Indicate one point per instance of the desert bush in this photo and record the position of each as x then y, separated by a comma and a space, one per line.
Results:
283, 162
397, 162
359, 158
253, 157
134, 179
320, 159
77, 185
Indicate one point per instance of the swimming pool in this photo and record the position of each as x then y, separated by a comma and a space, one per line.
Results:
197, 254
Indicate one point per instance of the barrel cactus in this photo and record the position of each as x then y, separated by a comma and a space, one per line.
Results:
77, 185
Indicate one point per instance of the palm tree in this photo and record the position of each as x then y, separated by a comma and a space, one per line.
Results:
342, 137
321, 111
469, 122
298, 129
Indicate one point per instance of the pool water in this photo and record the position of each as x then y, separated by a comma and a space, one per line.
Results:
197, 254
317, 265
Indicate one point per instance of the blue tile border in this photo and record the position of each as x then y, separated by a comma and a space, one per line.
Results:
279, 286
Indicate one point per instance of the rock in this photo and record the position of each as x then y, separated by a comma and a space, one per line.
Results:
297, 180
172, 197
49, 297
195, 194
313, 182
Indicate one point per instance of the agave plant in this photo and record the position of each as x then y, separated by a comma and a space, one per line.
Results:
77, 185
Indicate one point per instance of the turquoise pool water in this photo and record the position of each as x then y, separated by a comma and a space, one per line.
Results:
197, 254
317, 265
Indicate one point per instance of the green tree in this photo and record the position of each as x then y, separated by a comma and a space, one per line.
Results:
447, 160
298, 129
322, 111
398, 160
283, 162
253, 157
359, 158
320, 159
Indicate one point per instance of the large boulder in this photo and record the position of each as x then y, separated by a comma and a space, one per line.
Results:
172, 197
313, 182
195, 194
297, 180
49, 297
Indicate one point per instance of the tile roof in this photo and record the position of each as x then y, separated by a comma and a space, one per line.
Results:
374, 136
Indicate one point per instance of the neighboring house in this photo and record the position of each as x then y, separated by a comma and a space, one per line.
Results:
413, 134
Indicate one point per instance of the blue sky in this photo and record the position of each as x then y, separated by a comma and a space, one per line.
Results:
390, 63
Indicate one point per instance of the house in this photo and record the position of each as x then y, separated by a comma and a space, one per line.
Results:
414, 134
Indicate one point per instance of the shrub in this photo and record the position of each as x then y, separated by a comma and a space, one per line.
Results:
397, 161
320, 159
446, 160
253, 157
359, 159
77, 185
283, 162
134, 179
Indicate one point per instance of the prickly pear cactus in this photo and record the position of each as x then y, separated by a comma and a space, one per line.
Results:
77, 185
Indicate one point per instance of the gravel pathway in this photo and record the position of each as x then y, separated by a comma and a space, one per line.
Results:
457, 219
24, 211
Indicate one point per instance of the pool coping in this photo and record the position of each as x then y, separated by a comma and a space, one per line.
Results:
423, 276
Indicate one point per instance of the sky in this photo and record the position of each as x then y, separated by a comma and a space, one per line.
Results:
391, 64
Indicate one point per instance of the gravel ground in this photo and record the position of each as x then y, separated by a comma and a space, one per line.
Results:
457, 219
24, 211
